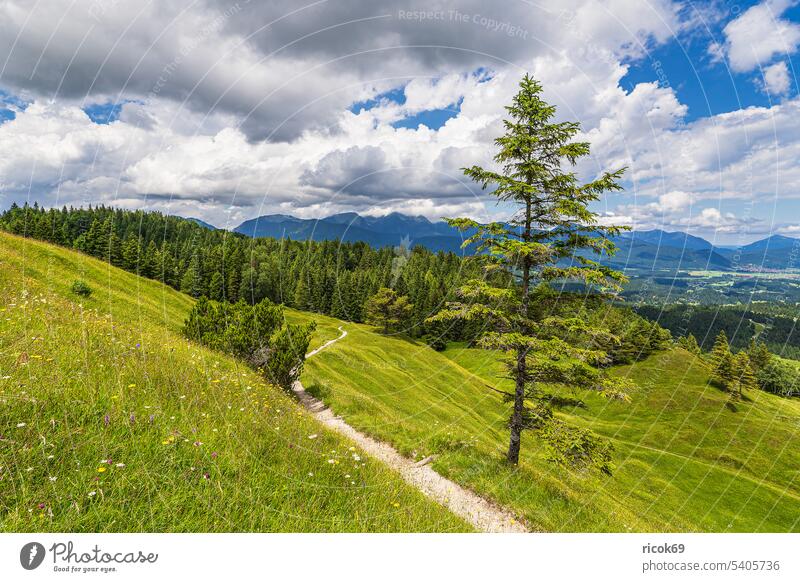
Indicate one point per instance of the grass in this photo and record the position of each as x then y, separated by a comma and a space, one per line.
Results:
687, 459
111, 421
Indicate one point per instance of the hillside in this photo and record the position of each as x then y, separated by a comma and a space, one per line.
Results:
111, 421
685, 460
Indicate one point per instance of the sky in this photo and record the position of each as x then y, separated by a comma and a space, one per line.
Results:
227, 110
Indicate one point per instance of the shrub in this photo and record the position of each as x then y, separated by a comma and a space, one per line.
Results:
81, 288
256, 333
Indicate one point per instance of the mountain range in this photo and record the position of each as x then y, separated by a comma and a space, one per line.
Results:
652, 250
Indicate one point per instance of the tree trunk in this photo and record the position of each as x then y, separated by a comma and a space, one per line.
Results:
519, 387
519, 403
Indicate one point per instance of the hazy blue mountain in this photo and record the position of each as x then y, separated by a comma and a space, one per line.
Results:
644, 250
774, 252
390, 230
669, 239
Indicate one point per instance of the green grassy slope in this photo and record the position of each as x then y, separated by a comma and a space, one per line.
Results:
111, 421
685, 460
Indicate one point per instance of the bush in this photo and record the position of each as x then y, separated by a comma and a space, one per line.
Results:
256, 333
779, 377
81, 288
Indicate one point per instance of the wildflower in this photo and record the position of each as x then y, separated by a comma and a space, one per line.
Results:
49, 457
206, 476
311, 474
52, 479
197, 443
92, 493
101, 469
131, 385
395, 504
106, 420
120, 465
41, 506
132, 418
312, 436
20, 424
331, 461
152, 416
214, 454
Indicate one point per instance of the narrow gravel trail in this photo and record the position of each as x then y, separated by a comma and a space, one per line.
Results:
483, 515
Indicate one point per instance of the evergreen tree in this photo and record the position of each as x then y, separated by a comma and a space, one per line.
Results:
744, 377
387, 310
689, 343
215, 287
192, 281
721, 361
552, 223
302, 296
759, 354
130, 254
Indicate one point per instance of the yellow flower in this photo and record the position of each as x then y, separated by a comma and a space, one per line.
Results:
101, 469
396, 504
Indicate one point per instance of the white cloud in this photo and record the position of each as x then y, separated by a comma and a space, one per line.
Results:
776, 79
759, 34
195, 146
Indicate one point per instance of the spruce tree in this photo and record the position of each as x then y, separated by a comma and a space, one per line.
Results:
744, 377
387, 310
759, 354
689, 343
552, 225
721, 361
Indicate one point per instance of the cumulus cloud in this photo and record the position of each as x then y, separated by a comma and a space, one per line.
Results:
776, 79
237, 109
758, 35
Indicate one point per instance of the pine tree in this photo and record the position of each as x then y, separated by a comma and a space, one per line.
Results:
721, 361
744, 378
302, 296
387, 310
215, 290
131, 251
689, 343
759, 354
192, 281
552, 223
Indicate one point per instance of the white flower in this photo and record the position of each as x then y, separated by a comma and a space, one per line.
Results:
312, 436
356, 457
331, 461
53, 479
120, 465
50, 457
311, 474
20, 425
92, 493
